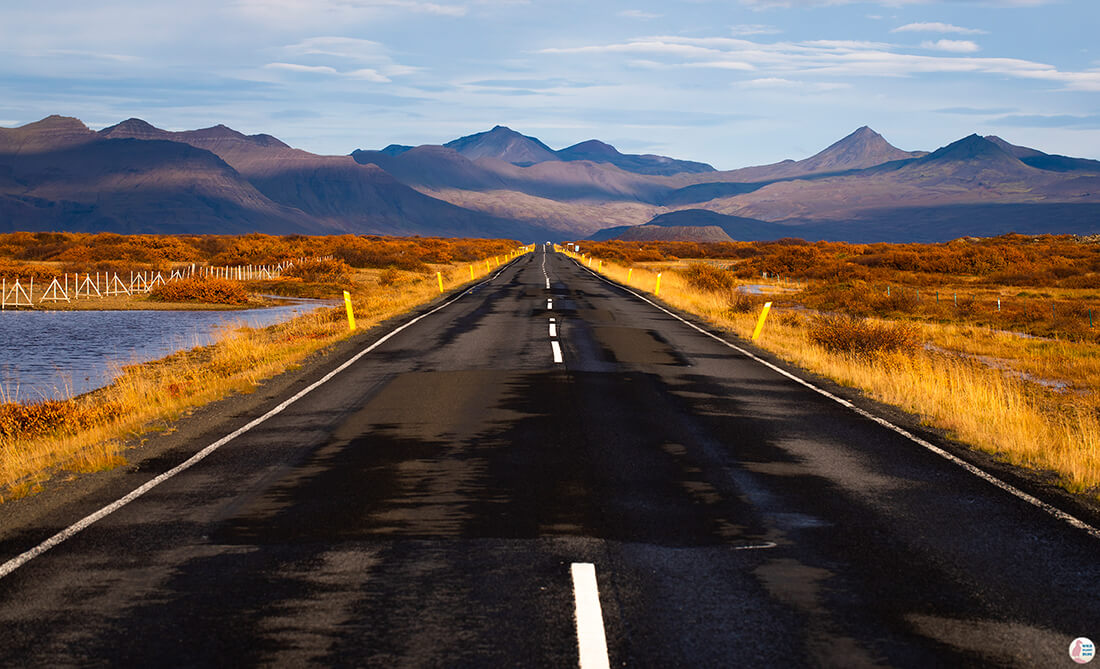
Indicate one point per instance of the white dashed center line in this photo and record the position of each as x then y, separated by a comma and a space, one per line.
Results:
553, 330
591, 640
549, 304
557, 351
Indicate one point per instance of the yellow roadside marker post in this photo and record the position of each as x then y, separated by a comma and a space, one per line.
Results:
439, 275
760, 323
629, 273
471, 272
657, 288
351, 316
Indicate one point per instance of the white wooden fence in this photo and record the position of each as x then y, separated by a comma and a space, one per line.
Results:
15, 293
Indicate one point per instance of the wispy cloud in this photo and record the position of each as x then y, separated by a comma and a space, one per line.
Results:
831, 58
936, 27
350, 50
97, 55
297, 13
954, 46
746, 29
779, 82
366, 74
638, 14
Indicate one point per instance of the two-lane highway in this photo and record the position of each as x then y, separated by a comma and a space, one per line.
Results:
447, 498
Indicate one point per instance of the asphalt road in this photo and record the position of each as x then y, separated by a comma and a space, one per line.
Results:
426, 506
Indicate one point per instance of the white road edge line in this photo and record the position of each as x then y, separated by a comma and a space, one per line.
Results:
18, 561
591, 639
557, 351
980, 473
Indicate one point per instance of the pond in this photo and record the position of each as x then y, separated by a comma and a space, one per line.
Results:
57, 354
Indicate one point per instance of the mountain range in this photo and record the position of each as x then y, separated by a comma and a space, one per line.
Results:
57, 174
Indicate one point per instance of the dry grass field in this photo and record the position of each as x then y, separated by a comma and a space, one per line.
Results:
1021, 382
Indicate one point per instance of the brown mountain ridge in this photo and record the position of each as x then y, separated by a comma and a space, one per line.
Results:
57, 174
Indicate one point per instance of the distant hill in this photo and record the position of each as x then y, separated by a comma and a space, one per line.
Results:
663, 233
504, 144
1046, 161
437, 169
698, 225
860, 150
599, 152
335, 192
60, 175
134, 177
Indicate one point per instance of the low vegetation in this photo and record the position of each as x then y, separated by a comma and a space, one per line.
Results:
862, 338
920, 327
206, 289
91, 432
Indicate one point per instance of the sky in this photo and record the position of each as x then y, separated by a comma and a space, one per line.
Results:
728, 82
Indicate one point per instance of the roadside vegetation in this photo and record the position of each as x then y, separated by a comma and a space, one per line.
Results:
385, 276
917, 326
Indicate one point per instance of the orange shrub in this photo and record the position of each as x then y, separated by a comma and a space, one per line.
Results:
707, 278
208, 289
320, 271
21, 421
863, 338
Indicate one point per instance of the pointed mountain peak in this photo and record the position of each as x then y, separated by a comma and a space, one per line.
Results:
861, 149
133, 128
972, 147
503, 143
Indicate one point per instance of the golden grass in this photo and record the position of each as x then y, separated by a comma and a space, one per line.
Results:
1023, 423
146, 397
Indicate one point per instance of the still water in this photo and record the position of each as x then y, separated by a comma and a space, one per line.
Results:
54, 354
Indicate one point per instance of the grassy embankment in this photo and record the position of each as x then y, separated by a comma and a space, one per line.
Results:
987, 387
89, 433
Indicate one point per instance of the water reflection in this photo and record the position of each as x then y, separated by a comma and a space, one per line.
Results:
54, 354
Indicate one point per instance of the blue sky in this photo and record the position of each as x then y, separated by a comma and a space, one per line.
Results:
729, 82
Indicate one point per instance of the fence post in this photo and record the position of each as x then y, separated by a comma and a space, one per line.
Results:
347, 305
760, 323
